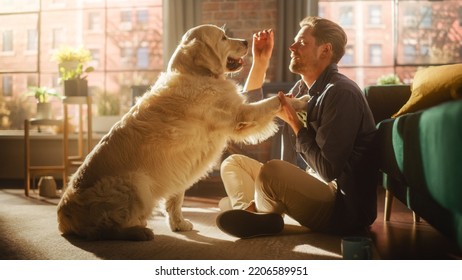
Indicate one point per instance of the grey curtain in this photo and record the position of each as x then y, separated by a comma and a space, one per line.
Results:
290, 13
178, 17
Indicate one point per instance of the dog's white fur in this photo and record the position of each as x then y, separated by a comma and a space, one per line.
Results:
169, 140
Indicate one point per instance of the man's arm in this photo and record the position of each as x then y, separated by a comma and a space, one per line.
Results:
262, 48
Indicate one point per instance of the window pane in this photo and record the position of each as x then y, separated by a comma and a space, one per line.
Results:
430, 32
18, 44
369, 27
127, 40
421, 33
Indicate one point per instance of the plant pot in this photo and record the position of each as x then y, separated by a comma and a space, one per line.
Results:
47, 187
44, 111
76, 87
138, 91
102, 124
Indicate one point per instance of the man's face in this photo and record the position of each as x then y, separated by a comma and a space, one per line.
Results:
305, 53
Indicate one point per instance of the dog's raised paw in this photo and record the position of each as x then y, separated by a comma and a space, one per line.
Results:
299, 104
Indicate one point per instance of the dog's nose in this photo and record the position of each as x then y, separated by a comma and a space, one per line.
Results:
245, 43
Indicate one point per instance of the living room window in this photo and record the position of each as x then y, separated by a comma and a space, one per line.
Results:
412, 34
385, 36
103, 27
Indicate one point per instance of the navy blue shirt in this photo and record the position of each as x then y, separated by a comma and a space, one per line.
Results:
338, 143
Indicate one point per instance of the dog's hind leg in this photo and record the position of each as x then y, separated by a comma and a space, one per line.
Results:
135, 233
175, 214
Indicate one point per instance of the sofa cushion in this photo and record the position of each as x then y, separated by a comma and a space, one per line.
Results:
432, 86
385, 100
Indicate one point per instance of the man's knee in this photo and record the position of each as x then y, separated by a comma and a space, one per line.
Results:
269, 170
231, 162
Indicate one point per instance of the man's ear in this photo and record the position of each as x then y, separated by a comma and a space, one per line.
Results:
326, 50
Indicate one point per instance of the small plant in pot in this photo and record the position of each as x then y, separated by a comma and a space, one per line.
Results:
42, 95
108, 109
72, 70
388, 79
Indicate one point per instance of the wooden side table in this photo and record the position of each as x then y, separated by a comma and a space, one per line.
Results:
80, 101
31, 170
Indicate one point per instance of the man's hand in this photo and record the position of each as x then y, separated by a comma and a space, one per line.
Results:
262, 48
287, 113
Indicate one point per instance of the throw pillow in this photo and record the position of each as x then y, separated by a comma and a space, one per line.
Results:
432, 86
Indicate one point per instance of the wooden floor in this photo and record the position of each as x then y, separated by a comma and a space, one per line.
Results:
401, 238
398, 239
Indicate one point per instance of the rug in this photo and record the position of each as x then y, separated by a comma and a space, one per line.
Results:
28, 230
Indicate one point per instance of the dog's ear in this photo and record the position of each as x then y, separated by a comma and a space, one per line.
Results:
206, 57
194, 56
181, 60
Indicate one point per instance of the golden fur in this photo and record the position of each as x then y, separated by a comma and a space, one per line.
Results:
171, 138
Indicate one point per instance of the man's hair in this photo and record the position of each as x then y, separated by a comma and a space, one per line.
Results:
326, 31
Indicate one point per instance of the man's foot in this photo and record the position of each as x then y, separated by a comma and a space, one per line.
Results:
245, 224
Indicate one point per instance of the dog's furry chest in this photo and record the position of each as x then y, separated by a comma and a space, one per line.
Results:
178, 102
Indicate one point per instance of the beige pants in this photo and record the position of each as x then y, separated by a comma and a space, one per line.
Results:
278, 187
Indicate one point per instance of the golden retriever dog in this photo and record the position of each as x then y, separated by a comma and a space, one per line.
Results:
171, 138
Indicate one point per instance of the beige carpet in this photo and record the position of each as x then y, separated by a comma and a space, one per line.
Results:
28, 230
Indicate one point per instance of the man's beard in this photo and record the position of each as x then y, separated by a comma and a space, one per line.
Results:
296, 67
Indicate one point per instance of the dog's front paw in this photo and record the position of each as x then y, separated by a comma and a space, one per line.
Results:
182, 225
299, 104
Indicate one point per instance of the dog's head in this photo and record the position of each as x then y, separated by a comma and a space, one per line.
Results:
206, 50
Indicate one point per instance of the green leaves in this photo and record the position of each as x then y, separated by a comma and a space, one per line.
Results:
42, 94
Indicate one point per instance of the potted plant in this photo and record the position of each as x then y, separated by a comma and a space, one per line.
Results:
42, 95
72, 72
108, 111
388, 79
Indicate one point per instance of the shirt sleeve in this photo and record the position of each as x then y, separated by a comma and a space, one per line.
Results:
327, 142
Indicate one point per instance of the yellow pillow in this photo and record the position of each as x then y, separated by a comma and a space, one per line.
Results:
432, 86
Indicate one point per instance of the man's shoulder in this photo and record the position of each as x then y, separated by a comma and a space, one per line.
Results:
343, 83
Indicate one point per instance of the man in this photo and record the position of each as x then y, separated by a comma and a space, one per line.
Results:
337, 192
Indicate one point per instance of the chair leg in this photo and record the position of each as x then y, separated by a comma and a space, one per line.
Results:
387, 206
27, 158
415, 217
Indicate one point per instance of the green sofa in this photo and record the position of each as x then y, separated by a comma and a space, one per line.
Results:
421, 156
